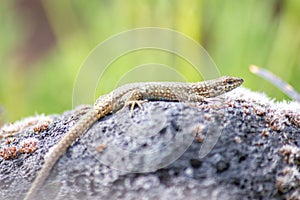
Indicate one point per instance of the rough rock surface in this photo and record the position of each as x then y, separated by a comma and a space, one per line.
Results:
156, 153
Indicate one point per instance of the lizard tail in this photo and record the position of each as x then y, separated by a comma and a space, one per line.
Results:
58, 150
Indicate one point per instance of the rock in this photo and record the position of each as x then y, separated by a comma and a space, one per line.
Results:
239, 146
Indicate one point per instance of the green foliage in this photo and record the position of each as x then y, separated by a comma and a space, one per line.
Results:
235, 33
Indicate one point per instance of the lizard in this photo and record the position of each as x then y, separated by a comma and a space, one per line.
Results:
130, 95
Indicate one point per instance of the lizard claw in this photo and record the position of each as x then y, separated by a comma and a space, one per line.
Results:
132, 103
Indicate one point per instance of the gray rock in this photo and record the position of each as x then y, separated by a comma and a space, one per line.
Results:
239, 146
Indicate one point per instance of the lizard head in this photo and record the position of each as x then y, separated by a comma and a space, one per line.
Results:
228, 83
218, 86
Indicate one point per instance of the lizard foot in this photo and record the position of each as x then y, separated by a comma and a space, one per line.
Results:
132, 103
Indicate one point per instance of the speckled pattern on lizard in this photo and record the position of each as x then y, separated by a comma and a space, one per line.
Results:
130, 95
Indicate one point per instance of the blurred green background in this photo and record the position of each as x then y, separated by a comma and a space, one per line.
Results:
44, 42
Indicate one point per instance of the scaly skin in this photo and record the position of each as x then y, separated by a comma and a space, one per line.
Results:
132, 94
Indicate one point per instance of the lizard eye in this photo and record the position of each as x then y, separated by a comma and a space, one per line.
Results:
229, 82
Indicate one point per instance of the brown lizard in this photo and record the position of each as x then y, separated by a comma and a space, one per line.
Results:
131, 94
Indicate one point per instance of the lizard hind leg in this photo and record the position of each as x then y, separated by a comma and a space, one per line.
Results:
135, 97
132, 104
